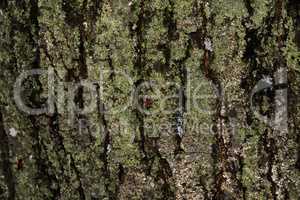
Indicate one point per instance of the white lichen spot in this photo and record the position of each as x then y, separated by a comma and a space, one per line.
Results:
179, 131
85, 25
134, 27
13, 132
208, 44
267, 80
108, 148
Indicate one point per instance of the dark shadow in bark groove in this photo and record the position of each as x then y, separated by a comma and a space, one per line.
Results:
5, 158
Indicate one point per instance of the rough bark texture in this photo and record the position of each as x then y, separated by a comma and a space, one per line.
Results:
150, 99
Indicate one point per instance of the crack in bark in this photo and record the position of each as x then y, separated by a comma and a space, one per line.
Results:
44, 165
148, 146
106, 147
5, 157
254, 41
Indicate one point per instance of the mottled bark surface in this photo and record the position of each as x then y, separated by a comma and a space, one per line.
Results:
150, 99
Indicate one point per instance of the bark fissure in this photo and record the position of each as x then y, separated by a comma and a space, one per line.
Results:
42, 160
5, 157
